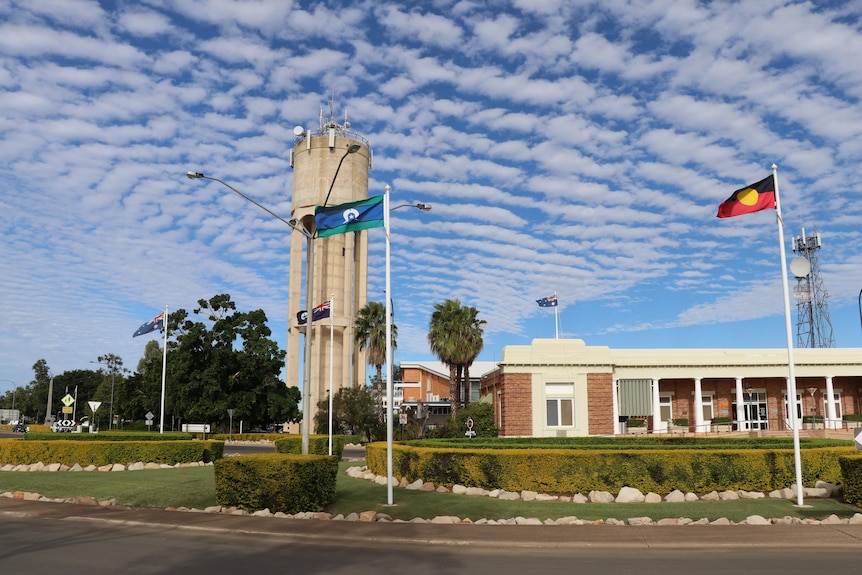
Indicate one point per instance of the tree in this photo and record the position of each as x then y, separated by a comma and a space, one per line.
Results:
370, 334
114, 374
352, 414
482, 415
229, 362
455, 337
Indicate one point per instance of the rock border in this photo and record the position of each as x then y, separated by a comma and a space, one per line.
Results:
626, 495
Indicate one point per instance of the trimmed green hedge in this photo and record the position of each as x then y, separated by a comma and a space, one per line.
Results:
851, 472
106, 436
70, 452
317, 444
275, 481
580, 471
629, 442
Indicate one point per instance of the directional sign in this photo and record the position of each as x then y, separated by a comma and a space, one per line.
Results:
857, 438
67, 400
94, 405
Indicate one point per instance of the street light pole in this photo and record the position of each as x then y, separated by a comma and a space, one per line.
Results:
389, 385
303, 228
307, 228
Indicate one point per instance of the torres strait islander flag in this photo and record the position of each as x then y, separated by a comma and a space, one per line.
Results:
751, 198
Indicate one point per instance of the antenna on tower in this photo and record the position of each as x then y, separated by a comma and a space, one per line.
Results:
813, 326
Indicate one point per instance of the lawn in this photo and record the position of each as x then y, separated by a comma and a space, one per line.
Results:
195, 487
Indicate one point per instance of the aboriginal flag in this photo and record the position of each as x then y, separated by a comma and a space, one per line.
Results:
752, 198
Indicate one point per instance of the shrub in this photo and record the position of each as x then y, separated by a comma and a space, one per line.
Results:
579, 471
851, 477
482, 415
275, 481
317, 444
681, 422
70, 452
636, 423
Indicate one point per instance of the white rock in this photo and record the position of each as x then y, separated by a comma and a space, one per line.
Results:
757, 520
675, 496
652, 498
459, 489
628, 495
728, 495
600, 497
527, 495
415, 486
711, 496
580, 498
639, 521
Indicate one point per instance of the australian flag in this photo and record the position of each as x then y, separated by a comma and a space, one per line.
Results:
550, 301
157, 323
320, 312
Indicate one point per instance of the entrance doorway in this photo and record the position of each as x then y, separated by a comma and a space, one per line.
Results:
754, 412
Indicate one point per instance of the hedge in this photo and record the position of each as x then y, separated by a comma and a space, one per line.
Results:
276, 481
851, 471
70, 452
106, 436
581, 471
317, 444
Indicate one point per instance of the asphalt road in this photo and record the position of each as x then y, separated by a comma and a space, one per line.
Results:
41, 537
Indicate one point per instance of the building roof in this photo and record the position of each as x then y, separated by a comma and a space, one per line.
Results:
477, 370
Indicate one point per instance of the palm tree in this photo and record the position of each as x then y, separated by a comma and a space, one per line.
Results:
455, 337
370, 334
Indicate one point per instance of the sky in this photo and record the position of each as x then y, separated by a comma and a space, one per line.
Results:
567, 146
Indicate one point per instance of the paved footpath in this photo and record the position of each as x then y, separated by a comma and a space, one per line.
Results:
511, 536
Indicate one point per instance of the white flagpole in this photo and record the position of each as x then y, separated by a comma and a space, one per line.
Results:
791, 377
389, 391
164, 372
556, 317
331, 314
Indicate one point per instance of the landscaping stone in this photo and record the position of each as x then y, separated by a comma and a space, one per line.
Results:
675, 496
757, 520
652, 498
600, 497
629, 495
527, 495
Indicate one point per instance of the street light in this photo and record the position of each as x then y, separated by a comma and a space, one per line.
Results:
389, 387
303, 228
351, 149
307, 228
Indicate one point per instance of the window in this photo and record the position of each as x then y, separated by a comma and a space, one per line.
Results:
560, 409
561, 412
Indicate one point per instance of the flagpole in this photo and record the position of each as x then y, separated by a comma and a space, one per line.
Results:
331, 314
556, 317
164, 372
389, 391
791, 377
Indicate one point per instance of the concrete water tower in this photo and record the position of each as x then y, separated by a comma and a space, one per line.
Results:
330, 166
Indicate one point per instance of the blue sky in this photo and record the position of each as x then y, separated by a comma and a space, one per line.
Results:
571, 146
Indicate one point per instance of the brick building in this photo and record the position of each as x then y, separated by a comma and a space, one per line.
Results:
562, 387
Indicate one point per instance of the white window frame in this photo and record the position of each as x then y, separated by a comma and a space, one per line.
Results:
557, 395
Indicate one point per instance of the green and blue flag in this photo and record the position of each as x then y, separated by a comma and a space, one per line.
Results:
349, 217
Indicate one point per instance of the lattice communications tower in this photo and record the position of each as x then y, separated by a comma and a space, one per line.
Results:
332, 157
813, 326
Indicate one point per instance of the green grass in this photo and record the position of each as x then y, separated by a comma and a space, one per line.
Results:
195, 487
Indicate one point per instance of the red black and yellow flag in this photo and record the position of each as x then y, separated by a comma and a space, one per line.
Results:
751, 198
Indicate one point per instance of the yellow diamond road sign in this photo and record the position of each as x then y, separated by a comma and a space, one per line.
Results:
68, 400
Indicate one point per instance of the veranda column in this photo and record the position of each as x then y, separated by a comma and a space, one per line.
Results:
618, 427
698, 407
656, 408
740, 406
831, 414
